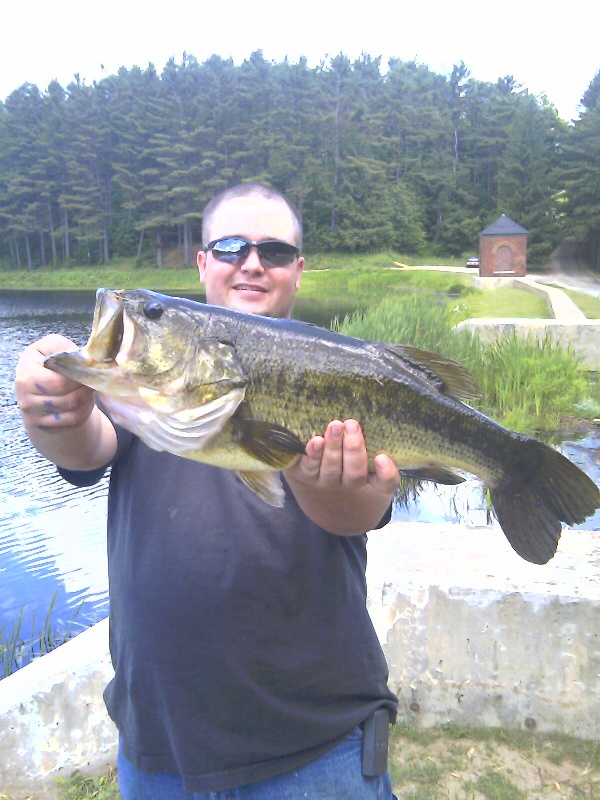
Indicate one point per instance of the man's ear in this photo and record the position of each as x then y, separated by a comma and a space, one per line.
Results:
299, 270
201, 261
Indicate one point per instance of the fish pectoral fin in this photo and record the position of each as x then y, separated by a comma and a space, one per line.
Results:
272, 444
267, 485
434, 473
447, 375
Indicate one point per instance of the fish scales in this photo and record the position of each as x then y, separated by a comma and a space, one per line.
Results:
409, 427
246, 393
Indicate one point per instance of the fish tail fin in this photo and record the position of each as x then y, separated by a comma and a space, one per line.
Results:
543, 490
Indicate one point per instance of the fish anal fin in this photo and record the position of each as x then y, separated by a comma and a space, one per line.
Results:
434, 473
267, 485
448, 375
274, 445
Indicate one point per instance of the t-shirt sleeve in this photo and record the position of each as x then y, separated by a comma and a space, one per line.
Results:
82, 478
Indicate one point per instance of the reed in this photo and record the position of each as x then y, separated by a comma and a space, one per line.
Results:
19, 647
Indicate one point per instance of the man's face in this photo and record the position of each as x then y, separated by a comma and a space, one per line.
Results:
250, 286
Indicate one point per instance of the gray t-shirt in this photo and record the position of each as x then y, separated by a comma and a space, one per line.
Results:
239, 632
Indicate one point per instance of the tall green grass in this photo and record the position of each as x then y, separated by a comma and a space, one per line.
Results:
504, 302
527, 385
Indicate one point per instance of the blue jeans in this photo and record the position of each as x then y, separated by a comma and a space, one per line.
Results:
335, 776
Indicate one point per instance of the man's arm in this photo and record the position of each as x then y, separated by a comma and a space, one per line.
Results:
333, 485
60, 415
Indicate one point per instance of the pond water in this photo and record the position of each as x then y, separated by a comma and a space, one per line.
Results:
52, 536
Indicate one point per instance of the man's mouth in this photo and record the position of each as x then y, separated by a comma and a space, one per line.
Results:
247, 287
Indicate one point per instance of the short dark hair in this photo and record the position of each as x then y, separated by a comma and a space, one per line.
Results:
248, 190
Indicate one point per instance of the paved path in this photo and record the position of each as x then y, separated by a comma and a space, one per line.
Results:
564, 270
579, 280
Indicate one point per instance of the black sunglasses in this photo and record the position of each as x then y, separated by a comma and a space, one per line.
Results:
235, 250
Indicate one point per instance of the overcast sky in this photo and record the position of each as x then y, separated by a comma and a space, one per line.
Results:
551, 49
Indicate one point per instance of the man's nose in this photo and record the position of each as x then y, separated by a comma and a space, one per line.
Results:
252, 262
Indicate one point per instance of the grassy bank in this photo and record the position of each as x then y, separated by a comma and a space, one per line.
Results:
121, 276
350, 279
126, 274
454, 763
464, 764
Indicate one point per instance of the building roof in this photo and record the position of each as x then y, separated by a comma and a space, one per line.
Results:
505, 226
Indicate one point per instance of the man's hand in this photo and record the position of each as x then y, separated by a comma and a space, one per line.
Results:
339, 460
333, 485
60, 415
45, 398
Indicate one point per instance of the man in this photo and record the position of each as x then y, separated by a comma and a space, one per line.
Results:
245, 661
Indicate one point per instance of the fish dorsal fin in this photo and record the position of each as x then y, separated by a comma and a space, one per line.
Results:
267, 485
274, 445
447, 376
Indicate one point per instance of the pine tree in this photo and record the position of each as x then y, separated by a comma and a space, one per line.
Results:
581, 175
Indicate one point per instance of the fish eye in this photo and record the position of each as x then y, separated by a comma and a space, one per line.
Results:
153, 309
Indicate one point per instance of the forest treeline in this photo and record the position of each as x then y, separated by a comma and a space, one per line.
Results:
409, 160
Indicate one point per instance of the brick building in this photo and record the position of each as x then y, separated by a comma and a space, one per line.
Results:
503, 249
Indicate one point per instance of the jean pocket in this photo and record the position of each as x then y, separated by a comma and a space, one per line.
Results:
355, 733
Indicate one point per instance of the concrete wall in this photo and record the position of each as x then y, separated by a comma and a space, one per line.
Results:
472, 633
53, 719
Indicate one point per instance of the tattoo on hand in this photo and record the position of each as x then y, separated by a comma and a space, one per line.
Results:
49, 406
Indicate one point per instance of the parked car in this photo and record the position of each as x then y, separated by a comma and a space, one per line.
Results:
473, 261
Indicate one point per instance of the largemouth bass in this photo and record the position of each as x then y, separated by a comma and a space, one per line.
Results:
246, 393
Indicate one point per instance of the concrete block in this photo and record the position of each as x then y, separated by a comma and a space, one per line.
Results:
53, 719
582, 336
474, 635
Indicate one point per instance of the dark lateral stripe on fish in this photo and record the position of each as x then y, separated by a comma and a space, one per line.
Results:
436, 474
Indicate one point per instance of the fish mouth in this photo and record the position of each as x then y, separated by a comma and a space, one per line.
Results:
104, 344
108, 328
